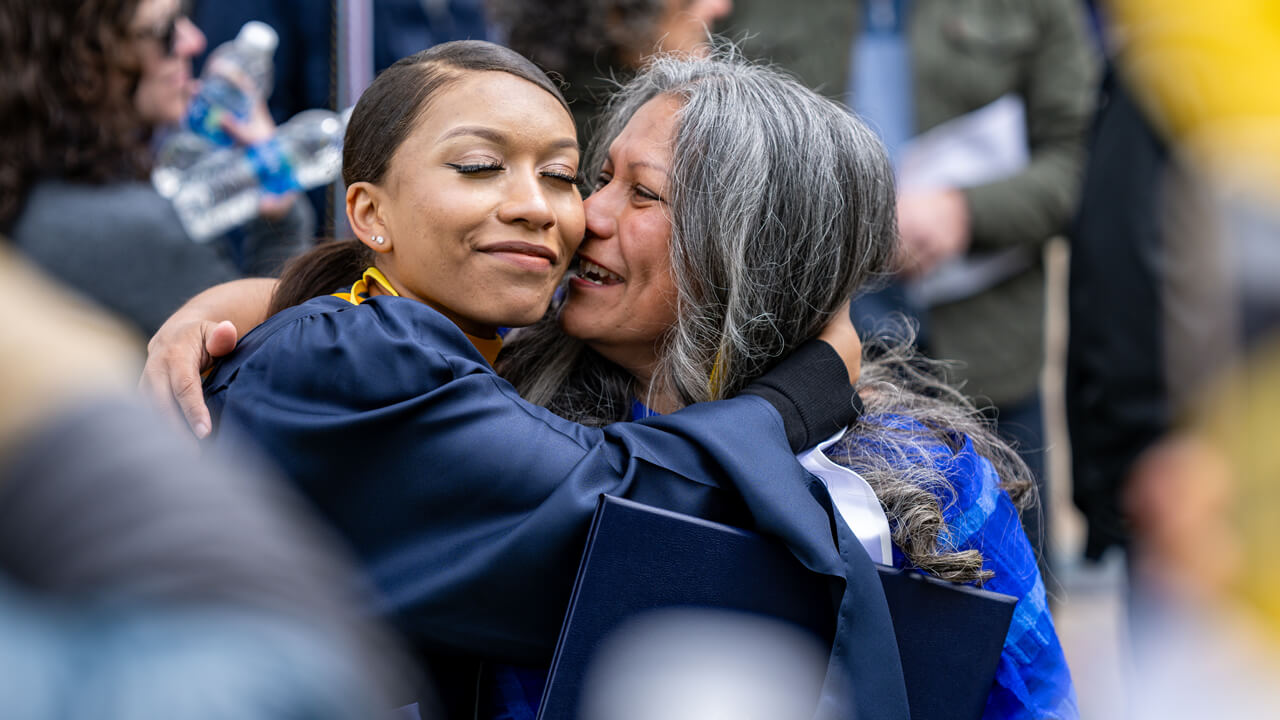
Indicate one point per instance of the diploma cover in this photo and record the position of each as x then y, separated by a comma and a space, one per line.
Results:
641, 558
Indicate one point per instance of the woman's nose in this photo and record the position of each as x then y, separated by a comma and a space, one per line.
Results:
601, 214
190, 41
527, 204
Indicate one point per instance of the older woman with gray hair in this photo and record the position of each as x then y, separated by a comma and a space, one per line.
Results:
734, 213
724, 191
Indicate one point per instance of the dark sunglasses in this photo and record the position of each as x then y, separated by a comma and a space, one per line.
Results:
166, 35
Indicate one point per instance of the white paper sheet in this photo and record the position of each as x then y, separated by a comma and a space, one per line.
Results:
979, 147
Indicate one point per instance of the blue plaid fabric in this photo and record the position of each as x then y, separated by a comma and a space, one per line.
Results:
1032, 680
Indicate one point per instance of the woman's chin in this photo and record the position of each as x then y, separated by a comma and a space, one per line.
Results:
527, 315
512, 307
576, 321
168, 115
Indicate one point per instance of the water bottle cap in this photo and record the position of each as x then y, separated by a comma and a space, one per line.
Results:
259, 36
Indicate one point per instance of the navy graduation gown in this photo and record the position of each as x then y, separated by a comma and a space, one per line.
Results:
469, 506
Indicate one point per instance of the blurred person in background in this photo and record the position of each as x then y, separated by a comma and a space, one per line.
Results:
1177, 310
950, 87
139, 580
308, 66
1117, 396
1204, 502
1175, 259
594, 45
306, 58
84, 86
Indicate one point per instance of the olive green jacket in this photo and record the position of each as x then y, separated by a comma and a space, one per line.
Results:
965, 54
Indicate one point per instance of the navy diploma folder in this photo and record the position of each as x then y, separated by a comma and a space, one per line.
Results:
640, 558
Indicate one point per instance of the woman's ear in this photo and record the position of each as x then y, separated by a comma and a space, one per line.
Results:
365, 202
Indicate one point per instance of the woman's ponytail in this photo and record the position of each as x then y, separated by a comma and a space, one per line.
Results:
327, 268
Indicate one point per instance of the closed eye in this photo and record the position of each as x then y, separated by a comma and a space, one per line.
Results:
477, 168
570, 178
647, 194
640, 191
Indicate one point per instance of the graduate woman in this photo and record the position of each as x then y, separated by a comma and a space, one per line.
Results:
467, 505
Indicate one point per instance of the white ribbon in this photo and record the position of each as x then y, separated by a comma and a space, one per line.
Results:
854, 500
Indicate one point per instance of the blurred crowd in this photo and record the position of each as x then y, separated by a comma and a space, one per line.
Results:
140, 577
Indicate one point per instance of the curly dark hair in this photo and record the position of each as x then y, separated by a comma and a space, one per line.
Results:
588, 46
571, 38
68, 72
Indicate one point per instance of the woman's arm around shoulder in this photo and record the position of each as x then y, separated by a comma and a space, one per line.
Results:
425, 459
205, 328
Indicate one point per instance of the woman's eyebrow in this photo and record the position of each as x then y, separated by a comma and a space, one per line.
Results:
497, 136
479, 131
646, 164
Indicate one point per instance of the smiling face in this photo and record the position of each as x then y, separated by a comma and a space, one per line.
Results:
166, 41
624, 299
479, 209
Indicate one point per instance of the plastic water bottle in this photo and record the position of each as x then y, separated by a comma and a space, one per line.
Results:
237, 74
245, 62
181, 150
223, 189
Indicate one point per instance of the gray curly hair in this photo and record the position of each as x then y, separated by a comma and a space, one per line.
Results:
781, 205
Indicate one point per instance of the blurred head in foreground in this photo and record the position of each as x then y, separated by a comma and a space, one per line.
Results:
140, 580
702, 664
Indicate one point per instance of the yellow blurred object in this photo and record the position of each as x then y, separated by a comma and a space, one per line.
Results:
1241, 421
1209, 72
